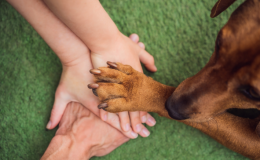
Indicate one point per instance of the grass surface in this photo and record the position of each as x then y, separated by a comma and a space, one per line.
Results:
179, 34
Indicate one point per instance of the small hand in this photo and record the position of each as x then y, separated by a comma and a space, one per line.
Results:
128, 51
73, 86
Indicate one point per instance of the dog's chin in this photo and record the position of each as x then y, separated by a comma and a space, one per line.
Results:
194, 118
176, 115
199, 120
205, 118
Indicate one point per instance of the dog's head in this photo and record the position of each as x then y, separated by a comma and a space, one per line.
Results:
231, 78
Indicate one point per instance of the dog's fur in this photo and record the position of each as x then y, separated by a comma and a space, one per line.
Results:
231, 79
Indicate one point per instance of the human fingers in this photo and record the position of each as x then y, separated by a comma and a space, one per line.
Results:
124, 120
146, 58
114, 121
143, 116
134, 37
137, 126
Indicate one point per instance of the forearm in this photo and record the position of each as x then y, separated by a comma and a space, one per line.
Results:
62, 41
88, 20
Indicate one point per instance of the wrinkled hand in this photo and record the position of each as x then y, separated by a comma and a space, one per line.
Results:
82, 135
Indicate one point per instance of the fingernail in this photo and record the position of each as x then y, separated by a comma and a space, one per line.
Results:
155, 68
146, 132
138, 128
95, 71
134, 37
48, 125
143, 119
152, 121
93, 86
127, 127
135, 135
141, 45
105, 117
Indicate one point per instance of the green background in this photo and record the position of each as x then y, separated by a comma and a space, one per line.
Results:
179, 34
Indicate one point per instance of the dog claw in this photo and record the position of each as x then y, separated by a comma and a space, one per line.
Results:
95, 92
95, 71
112, 64
102, 106
93, 86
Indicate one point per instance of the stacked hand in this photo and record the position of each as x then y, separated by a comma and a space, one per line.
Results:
76, 77
83, 36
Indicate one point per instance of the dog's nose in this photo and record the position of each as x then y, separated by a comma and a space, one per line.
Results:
173, 110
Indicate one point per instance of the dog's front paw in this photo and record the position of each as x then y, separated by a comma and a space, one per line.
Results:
119, 87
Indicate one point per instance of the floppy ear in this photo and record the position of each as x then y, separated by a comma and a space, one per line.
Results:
220, 6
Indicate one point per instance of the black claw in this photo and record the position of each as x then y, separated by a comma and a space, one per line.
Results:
95, 92
102, 106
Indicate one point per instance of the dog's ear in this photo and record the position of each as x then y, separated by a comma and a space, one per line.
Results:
220, 6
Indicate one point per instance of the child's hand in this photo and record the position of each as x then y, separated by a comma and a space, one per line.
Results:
127, 51
73, 87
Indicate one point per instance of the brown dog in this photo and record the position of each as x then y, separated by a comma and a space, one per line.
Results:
229, 80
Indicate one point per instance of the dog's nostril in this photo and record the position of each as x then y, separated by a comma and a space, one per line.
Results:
173, 111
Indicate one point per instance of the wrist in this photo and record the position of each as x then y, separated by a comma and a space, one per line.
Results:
81, 151
65, 147
107, 43
58, 148
74, 59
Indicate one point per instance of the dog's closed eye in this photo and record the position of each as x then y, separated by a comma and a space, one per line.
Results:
250, 92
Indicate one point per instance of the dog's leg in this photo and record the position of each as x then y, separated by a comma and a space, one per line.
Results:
121, 88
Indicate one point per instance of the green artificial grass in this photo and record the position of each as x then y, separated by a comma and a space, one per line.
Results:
179, 34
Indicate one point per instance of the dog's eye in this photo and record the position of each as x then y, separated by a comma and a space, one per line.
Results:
250, 92
253, 93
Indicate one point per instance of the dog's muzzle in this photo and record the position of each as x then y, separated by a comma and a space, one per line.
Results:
173, 109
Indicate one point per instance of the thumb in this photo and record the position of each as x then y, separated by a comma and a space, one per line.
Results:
147, 59
57, 112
